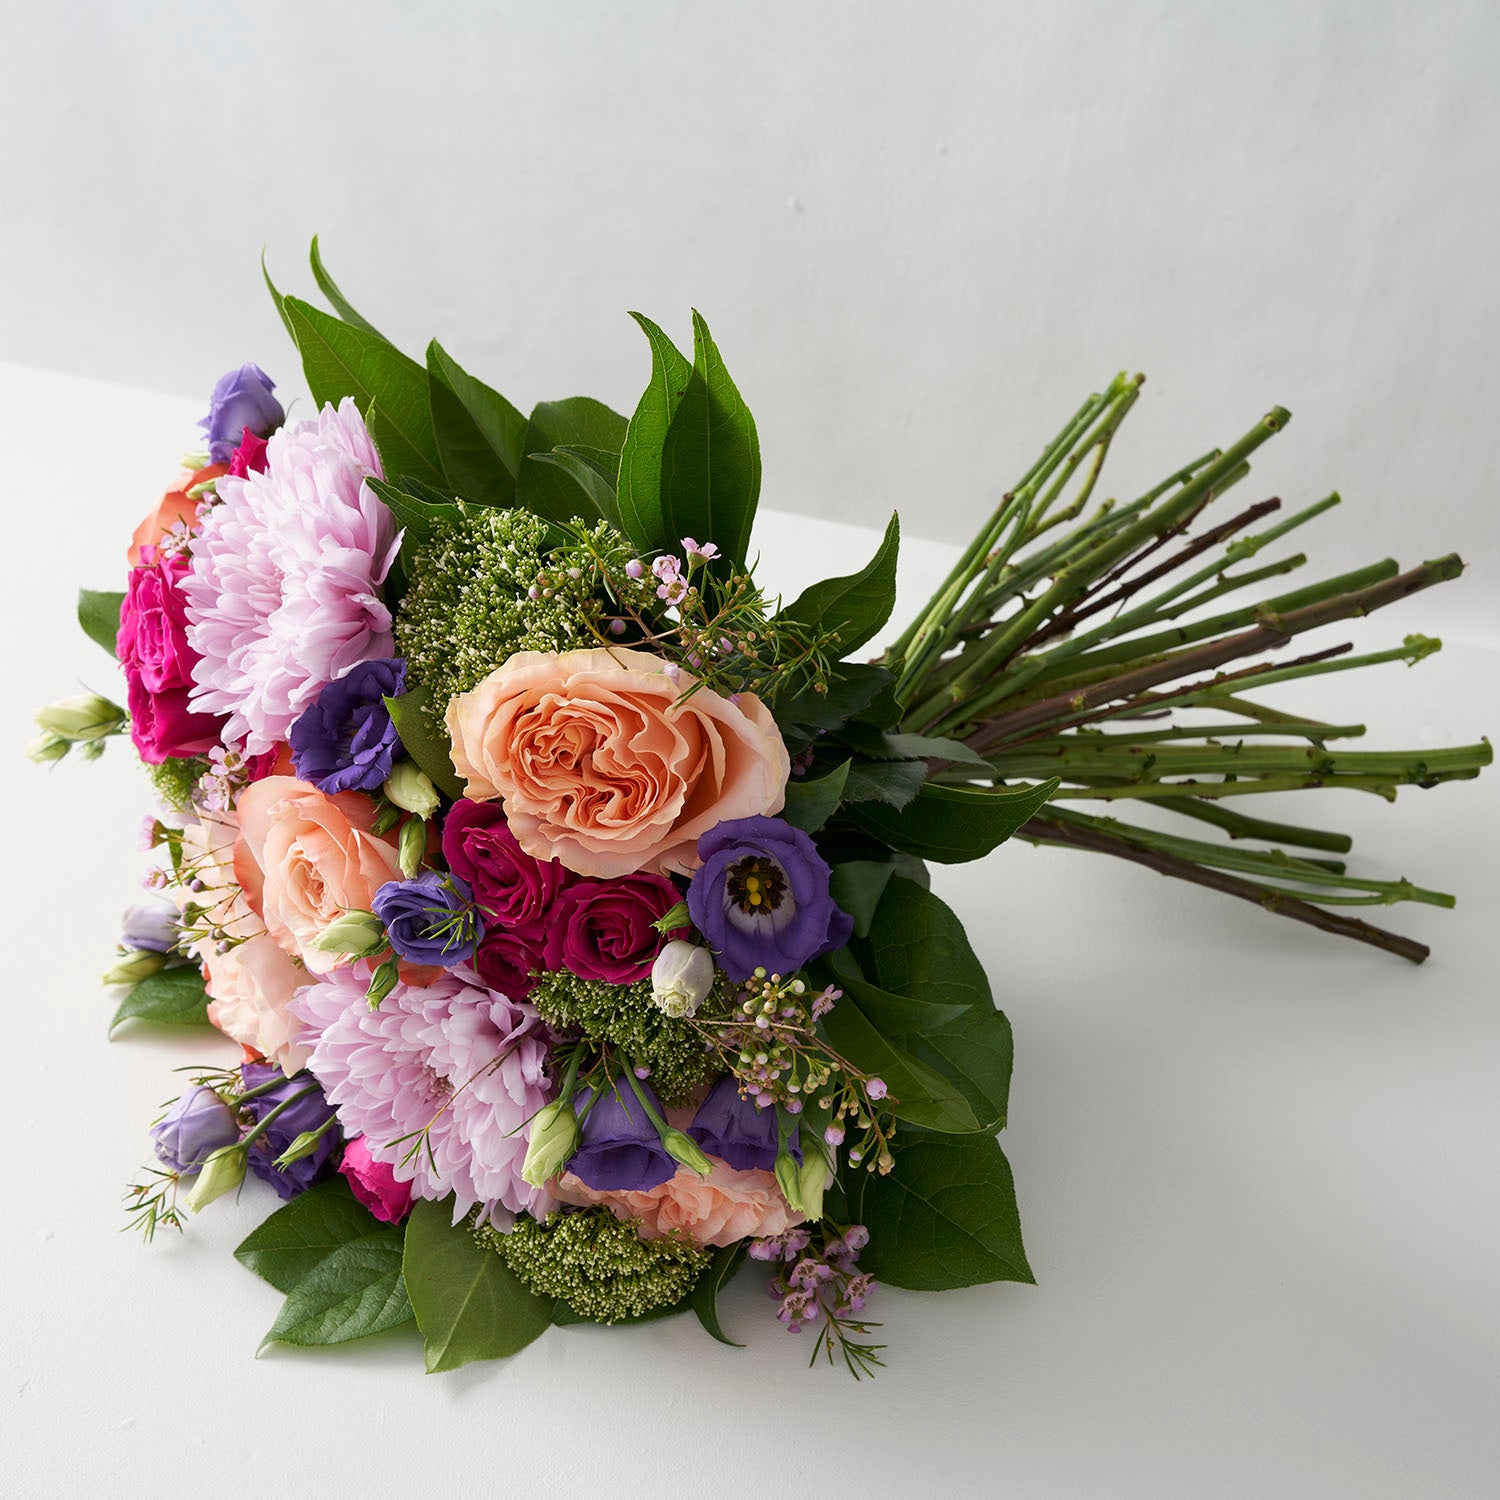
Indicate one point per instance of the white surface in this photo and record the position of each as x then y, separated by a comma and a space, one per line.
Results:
921, 232
1257, 1168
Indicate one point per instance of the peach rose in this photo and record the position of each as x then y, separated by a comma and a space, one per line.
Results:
715, 1210
601, 761
248, 989
174, 506
304, 858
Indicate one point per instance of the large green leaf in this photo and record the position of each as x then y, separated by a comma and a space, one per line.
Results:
946, 1216
289, 1246
418, 515
99, 615
856, 606
578, 422
172, 997
341, 360
810, 802
975, 1051
480, 435
639, 490
917, 946
278, 299
469, 1304
952, 824
894, 783
424, 740
594, 470
704, 1296
857, 887
337, 300
894, 1015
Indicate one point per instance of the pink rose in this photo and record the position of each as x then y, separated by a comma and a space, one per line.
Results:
162, 726
249, 987
717, 1210
603, 762
510, 886
506, 959
305, 858
601, 929
374, 1182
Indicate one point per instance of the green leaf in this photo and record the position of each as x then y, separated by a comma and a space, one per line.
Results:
852, 687
289, 1246
417, 514
945, 1217
171, 997
975, 1051
278, 299
952, 824
339, 302
917, 946
99, 615
704, 1296
480, 435
920, 1095
880, 744
857, 887
389, 388
892, 782
595, 472
895, 1016
856, 606
469, 1304
639, 491
424, 741
578, 422
811, 801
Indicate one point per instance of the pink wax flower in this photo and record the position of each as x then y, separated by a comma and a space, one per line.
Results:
374, 1182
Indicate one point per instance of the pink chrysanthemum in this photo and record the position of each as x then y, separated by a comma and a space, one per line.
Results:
283, 592
453, 1059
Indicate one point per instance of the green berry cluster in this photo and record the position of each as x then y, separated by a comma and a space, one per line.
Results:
596, 1263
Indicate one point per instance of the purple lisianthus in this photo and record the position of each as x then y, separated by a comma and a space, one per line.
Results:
344, 741
510, 885
738, 1131
195, 1126
430, 920
621, 1151
152, 926
241, 399
761, 898
308, 1109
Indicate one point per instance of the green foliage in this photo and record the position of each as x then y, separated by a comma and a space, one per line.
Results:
424, 740
480, 435
468, 1302
552, 492
99, 615
170, 997
811, 801
704, 1297
690, 465
176, 778
857, 887
856, 606
626, 1017
597, 1264
337, 300
946, 1216
953, 824
339, 1266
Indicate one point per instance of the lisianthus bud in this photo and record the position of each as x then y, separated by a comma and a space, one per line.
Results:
134, 966
554, 1138
304, 1145
681, 977
196, 1126
411, 846
674, 918
411, 789
46, 748
812, 1181
683, 1148
84, 717
382, 982
357, 933
789, 1178
222, 1173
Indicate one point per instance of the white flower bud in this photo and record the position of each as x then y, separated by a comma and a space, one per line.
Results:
84, 717
223, 1171
357, 933
411, 789
681, 977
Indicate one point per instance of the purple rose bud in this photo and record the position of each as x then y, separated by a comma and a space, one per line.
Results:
761, 898
241, 399
345, 740
621, 1151
307, 1111
197, 1125
738, 1132
510, 886
603, 929
151, 925
430, 920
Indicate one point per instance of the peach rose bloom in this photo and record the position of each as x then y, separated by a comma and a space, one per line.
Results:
602, 763
304, 858
173, 507
716, 1210
248, 989
208, 856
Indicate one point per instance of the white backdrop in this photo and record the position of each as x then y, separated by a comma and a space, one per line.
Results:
920, 232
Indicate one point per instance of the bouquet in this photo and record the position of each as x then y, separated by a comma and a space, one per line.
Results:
568, 894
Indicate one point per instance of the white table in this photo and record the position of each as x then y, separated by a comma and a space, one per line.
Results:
1257, 1167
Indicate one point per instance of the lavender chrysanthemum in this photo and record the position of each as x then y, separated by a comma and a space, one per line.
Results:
454, 1059
283, 592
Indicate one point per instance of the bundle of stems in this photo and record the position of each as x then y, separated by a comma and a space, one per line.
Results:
1078, 643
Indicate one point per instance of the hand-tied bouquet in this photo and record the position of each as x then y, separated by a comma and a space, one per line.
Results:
568, 894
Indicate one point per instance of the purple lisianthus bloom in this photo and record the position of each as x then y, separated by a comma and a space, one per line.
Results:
738, 1131
621, 1151
344, 741
761, 898
152, 926
241, 399
195, 1126
430, 920
307, 1110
